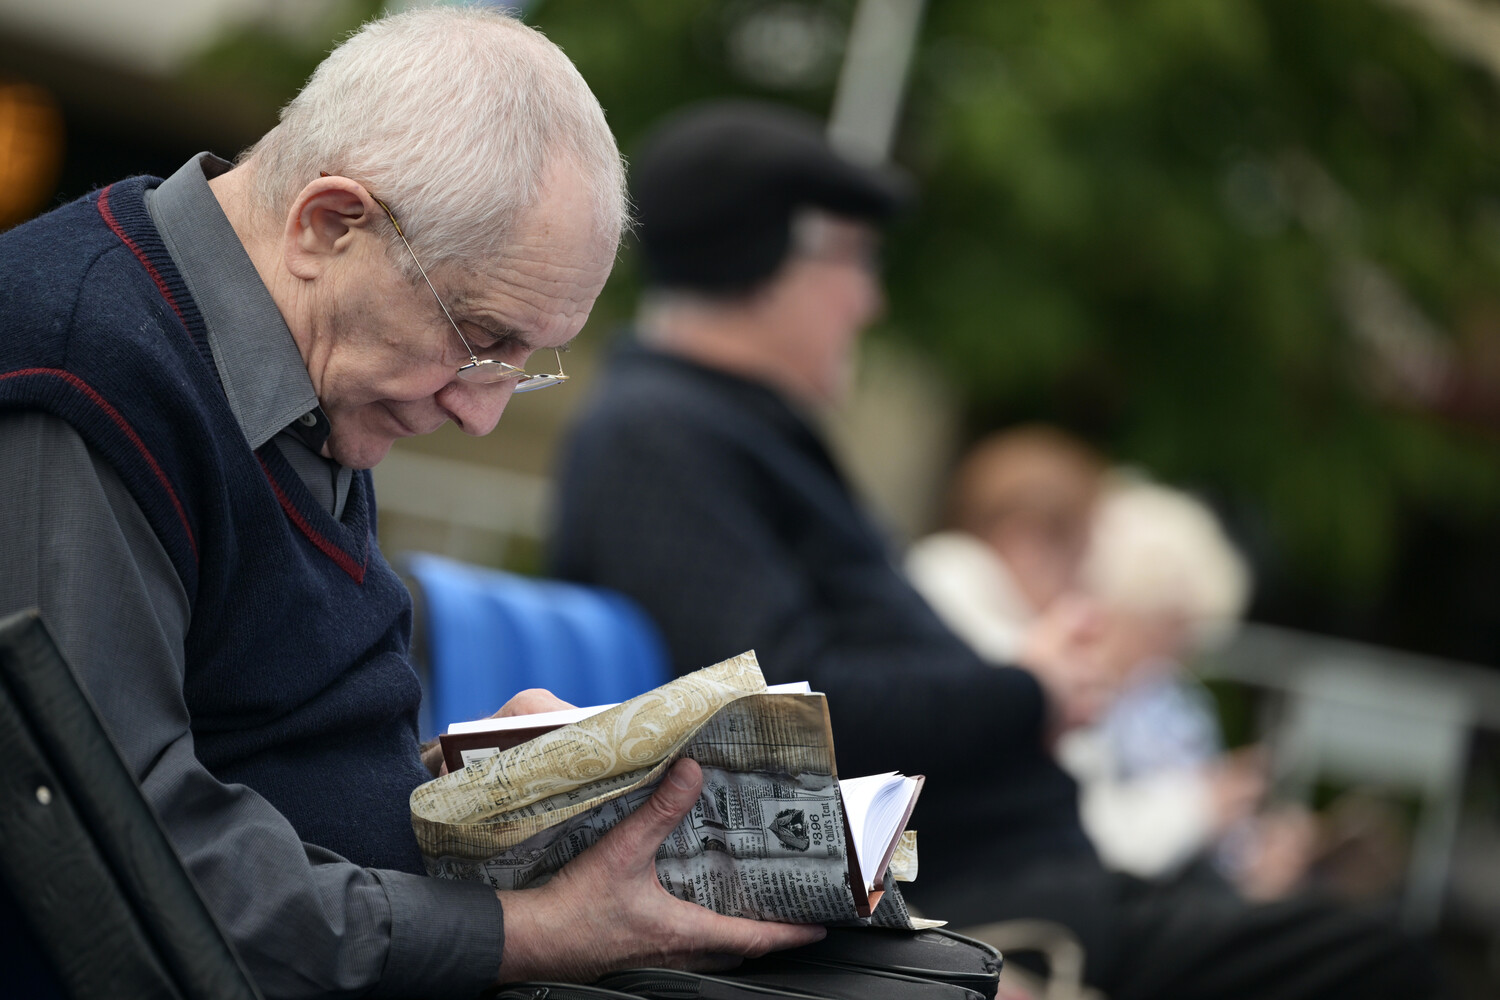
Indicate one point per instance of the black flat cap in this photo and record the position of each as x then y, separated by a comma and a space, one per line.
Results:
715, 188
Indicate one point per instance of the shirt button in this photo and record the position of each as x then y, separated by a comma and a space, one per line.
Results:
308, 419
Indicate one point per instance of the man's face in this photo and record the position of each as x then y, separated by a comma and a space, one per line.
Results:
383, 357
823, 298
1042, 544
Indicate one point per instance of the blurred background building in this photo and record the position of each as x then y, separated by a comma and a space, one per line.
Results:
1250, 245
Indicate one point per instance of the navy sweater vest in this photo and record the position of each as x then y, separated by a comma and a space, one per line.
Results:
297, 678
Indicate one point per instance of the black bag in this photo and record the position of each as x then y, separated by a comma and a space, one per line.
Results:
939, 955
555, 991
659, 984
852, 963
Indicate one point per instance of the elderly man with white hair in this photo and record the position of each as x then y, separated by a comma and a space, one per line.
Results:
196, 375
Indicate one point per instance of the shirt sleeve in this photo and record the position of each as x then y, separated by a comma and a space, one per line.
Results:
693, 529
305, 921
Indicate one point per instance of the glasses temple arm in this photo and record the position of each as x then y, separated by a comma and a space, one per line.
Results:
423, 272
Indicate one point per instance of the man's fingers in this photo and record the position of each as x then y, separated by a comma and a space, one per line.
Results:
633, 843
742, 938
643, 922
779, 936
530, 702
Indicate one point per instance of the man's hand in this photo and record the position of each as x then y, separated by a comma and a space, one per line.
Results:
605, 910
1065, 650
528, 702
1237, 783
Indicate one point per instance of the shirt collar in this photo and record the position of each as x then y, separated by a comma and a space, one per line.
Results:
260, 367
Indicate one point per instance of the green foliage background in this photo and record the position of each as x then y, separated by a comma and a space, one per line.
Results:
1134, 220
1117, 184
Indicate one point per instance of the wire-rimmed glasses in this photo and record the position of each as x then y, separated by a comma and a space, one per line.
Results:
480, 369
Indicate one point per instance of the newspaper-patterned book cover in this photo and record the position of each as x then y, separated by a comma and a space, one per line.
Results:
767, 838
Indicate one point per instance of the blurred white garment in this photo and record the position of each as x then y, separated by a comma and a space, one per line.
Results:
1142, 774
1162, 721
972, 591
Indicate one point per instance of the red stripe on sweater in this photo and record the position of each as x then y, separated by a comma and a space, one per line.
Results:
113, 414
344, 560
118, 230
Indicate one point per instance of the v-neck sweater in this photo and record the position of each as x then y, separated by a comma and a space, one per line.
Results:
296, 674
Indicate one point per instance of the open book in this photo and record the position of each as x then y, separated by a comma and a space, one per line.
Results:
775, 833
876, 808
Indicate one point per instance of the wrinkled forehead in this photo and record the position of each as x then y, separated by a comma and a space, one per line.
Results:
567, 224
542, 283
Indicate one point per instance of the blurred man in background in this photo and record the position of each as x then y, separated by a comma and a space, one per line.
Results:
699, 483
195, 375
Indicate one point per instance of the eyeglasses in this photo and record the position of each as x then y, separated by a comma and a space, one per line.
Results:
817, 236
481, 369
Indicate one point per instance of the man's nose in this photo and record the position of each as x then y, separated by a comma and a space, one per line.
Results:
475, 406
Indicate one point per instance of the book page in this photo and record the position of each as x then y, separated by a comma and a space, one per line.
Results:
877, 806
859, 799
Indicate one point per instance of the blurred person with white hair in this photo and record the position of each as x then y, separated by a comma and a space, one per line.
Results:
1041, 530
197, 374
1157, 788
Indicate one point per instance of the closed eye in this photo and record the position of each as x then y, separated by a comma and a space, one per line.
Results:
495, 343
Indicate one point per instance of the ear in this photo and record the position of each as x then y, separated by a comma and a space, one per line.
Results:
324, 221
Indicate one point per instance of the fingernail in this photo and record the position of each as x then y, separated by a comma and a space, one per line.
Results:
678, 777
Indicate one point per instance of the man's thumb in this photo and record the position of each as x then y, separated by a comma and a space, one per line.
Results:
672, 800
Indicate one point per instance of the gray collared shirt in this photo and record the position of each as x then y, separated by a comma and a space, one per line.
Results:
260, 367
75, 544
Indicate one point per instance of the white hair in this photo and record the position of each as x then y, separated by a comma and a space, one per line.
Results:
1156, 549
453, 117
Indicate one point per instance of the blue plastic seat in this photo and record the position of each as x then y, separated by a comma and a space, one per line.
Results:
486, 634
